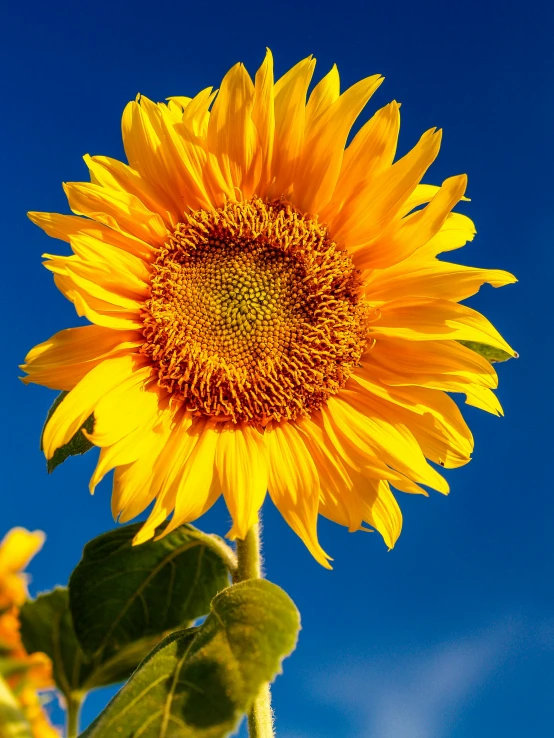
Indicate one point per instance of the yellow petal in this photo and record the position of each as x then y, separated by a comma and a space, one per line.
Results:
182, 435
263, 117
353, 449
119, 210
429, 277
232, 135
372, 150
133, 489
18, 547
320, 163
192, 488
150, 152
363, 427
181, 100
241, 462
127, 406
65, 358
324, 94
127, 450
294, 484
290, 114
422, 319
396, 361
76, 407
187, 159
112, 174
410, 233
372, 207
379, 506
65, 227
196, 115
457, 230
97, 311
109, 259
481, 397
152, 434
430, 415
337, 502
87, 280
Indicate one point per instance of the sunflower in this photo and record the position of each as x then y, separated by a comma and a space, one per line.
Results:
267, 310
17, 548
35, 673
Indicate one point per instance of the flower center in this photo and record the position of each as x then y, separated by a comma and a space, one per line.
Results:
255, 313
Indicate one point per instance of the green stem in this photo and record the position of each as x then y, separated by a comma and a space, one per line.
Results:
74, 702
249, 558
260, 718
249, 566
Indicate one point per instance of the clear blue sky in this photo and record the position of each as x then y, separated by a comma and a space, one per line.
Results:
451, 635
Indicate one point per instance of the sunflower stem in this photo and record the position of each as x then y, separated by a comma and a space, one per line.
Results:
249, 566
74, 702
249, 558
260, 717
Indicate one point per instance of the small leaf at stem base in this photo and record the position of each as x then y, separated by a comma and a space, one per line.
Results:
199, 682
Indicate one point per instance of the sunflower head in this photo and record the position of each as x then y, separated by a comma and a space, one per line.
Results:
255, 314
267, 309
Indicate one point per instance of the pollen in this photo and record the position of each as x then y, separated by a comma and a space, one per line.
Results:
254, 314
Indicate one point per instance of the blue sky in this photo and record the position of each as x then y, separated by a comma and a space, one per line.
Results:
450, 635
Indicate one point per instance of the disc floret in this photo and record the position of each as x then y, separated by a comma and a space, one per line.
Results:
255, 313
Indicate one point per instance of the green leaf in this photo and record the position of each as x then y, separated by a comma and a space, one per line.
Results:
13, 723
78, 444
199, 682
120, 665
491, 353
46, 625
120, 593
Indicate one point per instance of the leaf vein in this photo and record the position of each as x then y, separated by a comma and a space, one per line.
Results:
153, 573
134, 701
169, 699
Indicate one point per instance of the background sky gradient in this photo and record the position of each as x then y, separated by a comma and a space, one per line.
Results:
450, 635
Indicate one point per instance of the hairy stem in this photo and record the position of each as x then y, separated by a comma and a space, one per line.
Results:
249, 558
260, 718
249, 566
